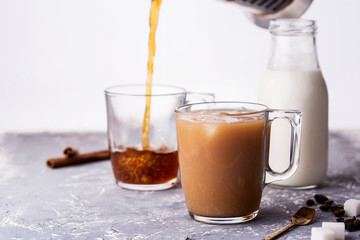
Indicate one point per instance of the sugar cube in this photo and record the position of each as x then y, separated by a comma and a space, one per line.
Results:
320, 233
337, 227
352, 207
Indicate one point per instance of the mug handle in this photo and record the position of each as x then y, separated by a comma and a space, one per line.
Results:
294, 117
197, 97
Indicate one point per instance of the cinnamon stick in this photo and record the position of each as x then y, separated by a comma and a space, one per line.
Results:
70, 152
72, 157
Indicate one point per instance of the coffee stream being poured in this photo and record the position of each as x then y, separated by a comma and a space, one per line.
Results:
154, 17
147, 166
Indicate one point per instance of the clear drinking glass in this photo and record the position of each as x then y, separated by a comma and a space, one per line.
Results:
223, 148
136, 168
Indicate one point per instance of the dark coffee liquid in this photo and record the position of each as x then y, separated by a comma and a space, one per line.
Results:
134, 166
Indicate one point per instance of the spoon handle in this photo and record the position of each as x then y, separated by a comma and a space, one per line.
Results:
278, 232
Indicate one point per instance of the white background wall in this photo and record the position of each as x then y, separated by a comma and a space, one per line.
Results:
57, 56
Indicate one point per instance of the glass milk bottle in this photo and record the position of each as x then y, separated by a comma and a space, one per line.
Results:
293, 80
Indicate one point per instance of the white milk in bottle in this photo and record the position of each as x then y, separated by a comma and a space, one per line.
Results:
293, 80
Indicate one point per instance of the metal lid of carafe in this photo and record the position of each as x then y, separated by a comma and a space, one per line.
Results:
261, 12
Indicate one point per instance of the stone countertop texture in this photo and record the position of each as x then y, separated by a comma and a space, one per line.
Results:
83, 202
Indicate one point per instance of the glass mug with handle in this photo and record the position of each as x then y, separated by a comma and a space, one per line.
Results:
134, 167
223, 154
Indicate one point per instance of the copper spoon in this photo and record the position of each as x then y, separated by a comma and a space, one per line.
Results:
300, 218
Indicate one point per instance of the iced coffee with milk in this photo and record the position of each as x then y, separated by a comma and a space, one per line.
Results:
221, 162
222, 151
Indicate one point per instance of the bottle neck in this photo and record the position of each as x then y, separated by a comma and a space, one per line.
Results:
293, 53
293, 45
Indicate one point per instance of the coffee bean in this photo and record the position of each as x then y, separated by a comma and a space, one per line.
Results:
337, 206
310, 202
329, 202
320, 198
339, 212
340, 219
325, 207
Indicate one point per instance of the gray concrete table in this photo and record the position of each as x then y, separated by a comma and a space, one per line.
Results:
83, 202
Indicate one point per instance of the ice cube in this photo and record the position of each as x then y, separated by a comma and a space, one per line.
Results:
319, 233
352, 208
337, 227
